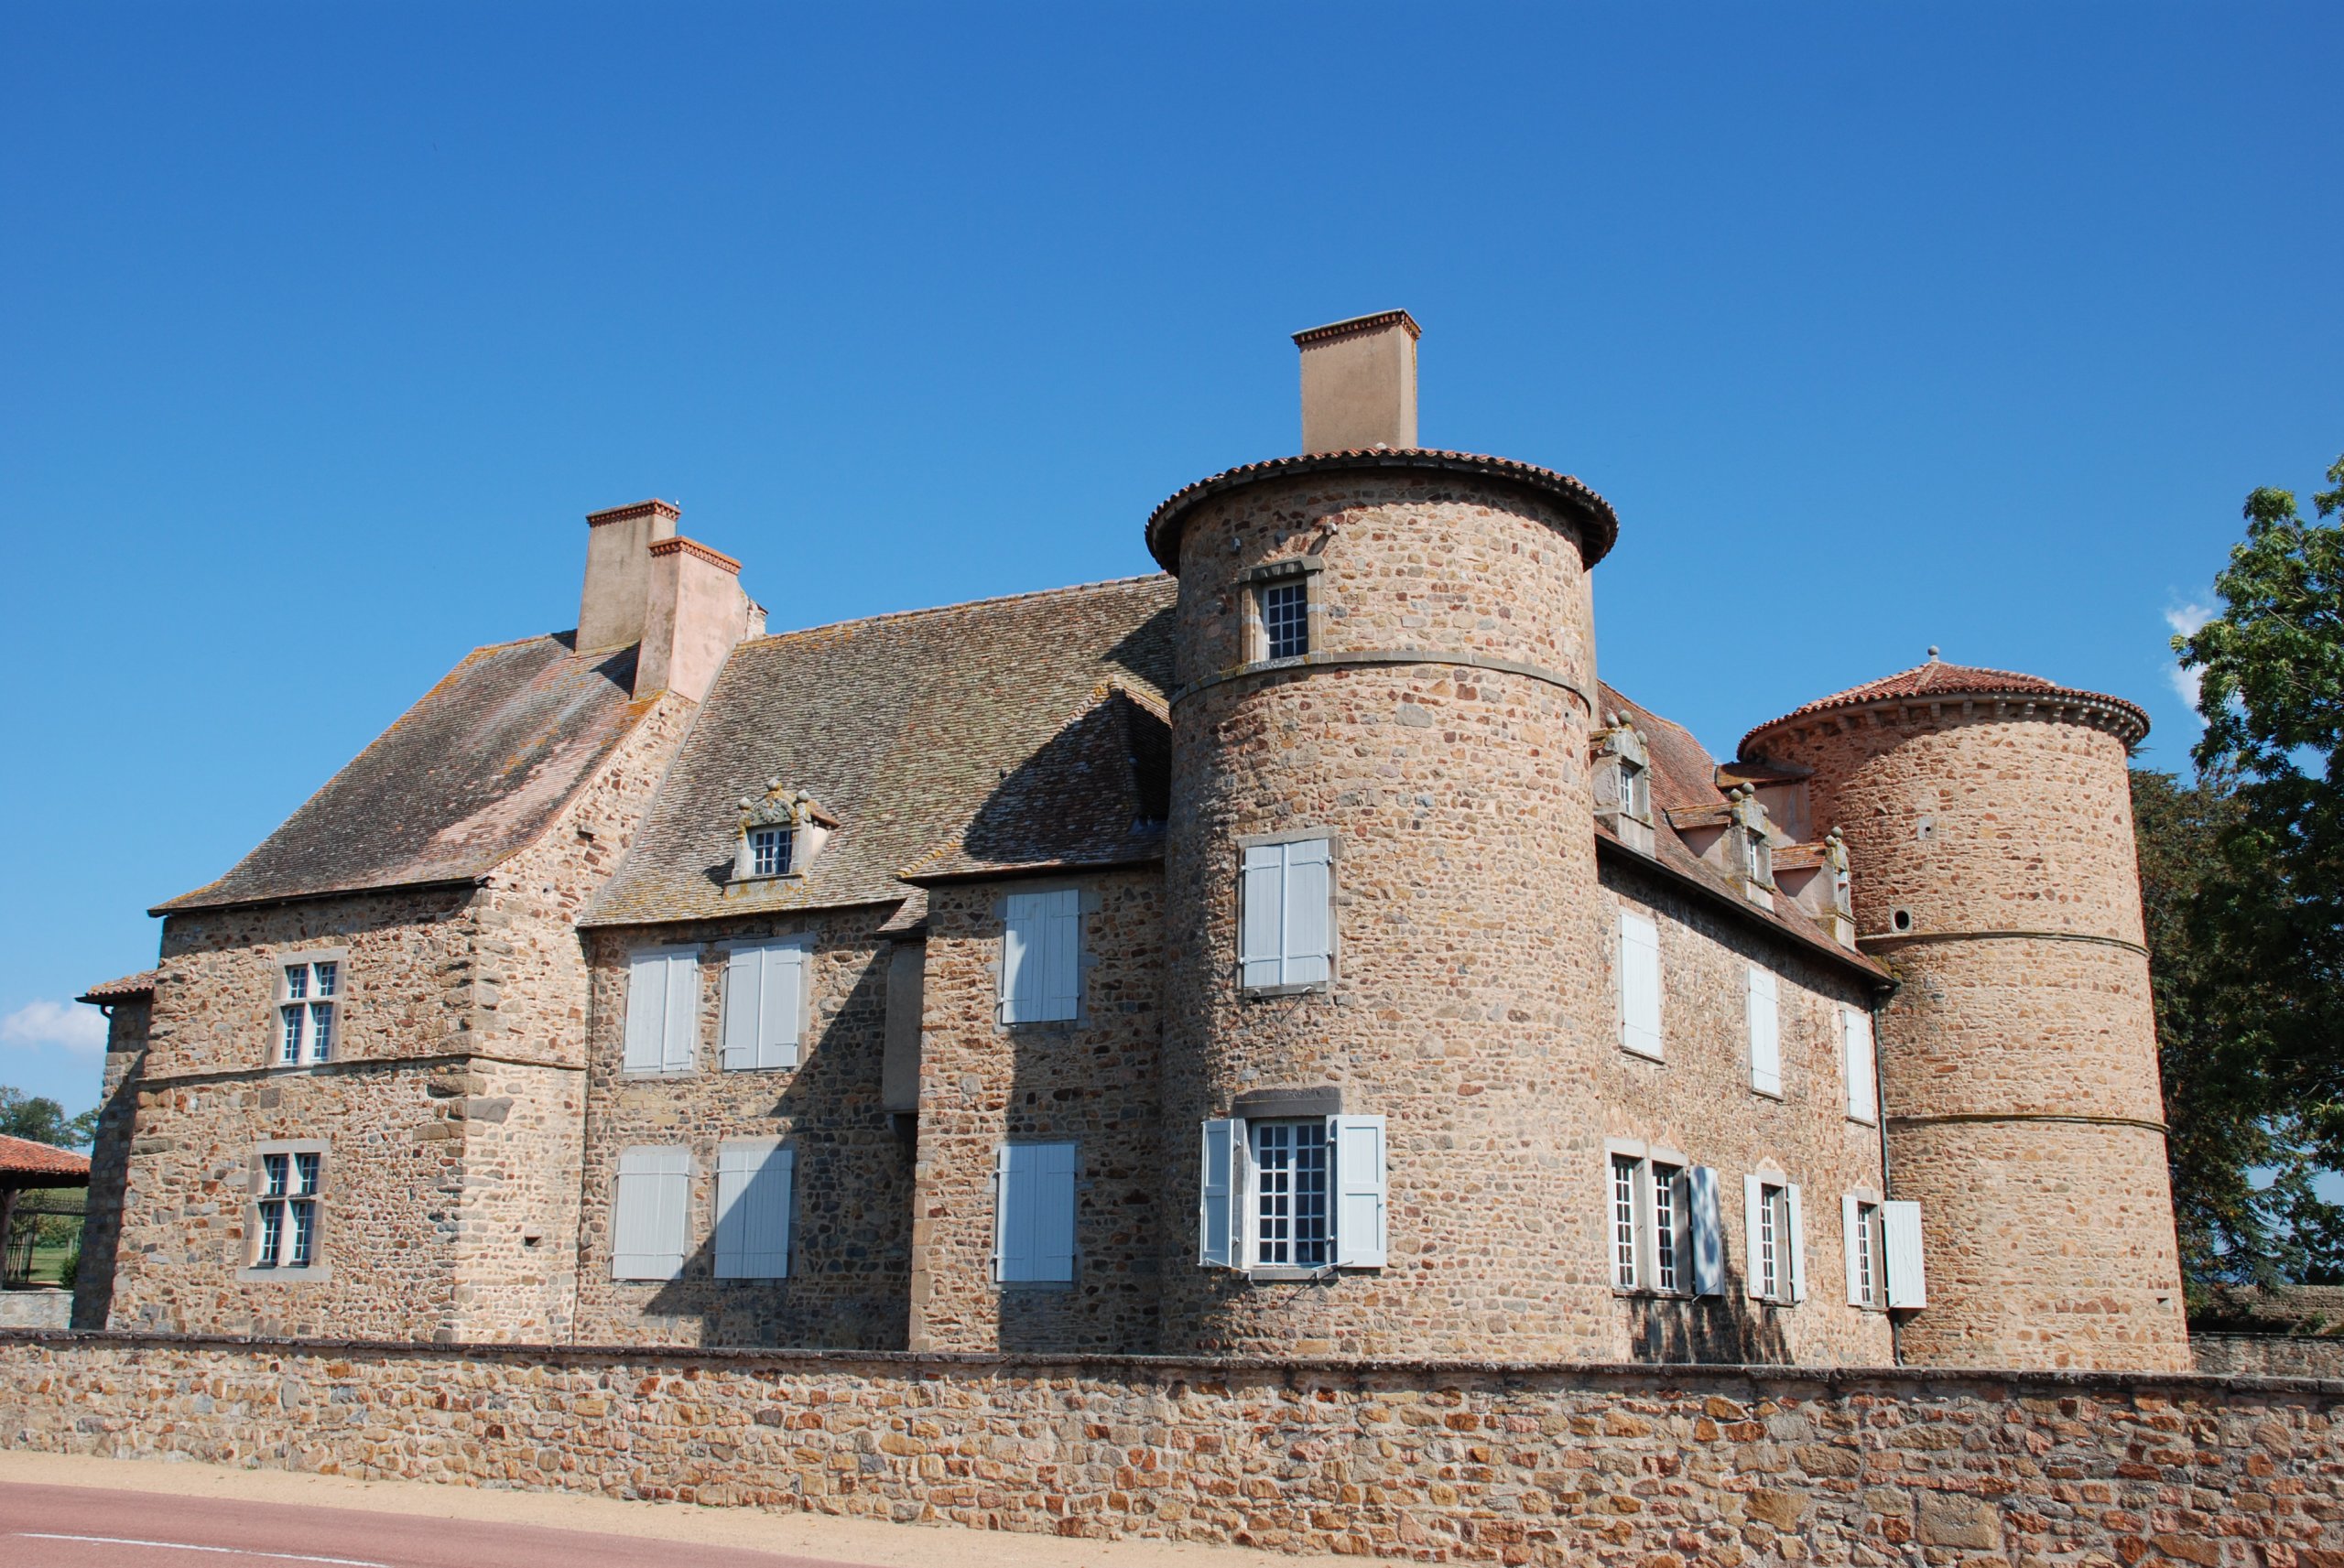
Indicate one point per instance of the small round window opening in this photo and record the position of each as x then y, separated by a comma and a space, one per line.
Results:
1900, 919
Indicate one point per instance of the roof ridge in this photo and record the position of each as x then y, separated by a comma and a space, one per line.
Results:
960, 604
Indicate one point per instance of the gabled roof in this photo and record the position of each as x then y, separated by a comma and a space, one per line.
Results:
21, 1157
1019, 733
1936, 680
124, 990
467, 776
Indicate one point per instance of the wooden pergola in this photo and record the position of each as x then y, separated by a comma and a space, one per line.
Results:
25, 1163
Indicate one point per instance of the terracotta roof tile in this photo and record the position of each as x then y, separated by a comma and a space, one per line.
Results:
1936, 679
470, 775
140, 984
22, 1157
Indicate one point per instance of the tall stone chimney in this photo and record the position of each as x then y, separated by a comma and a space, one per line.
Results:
1359, 383
678, 598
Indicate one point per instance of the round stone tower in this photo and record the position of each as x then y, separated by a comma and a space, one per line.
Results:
1989, 826
1389, 653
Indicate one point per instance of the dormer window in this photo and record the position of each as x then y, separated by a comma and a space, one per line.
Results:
1762, 858
771, 850
1623, 777
1635, 789
781, 832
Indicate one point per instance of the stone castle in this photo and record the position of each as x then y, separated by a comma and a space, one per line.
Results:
1298, 953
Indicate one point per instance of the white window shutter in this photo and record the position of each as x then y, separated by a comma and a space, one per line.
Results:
781, 1009
1022, 959
1639, 984
1217, 1203
1261, 925
1359, 1206
1799, 1245
679, 1035
1851, 1233
1062, 949
646, 1011
744, 985
650, 1213
1707, 1233
1765, 1033
1753, 1235
1899, 1226
1308, 954
1863, 1089
753, 1201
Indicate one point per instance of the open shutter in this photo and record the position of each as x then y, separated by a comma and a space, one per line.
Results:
1359, 1192
1022, 959
1261, 925
1309, 953
1217, 1203
1799, 1245
1765, 1034
1639, 984
679, 1035
782, 1005
1852, 1235
646, 1011
1864, 1089
1753, 1235
1900, 1228
1062, 949
753, 1193
744, 985
1707, 1233
649, 1214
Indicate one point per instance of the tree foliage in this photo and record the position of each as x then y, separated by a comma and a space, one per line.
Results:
44, 1120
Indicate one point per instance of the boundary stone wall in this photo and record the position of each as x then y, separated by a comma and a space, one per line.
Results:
2269, 1355
1667, 1466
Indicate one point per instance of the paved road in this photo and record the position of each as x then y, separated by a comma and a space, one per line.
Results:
73, 1527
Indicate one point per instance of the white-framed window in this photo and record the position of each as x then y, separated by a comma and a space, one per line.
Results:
1762, 858
1764, 1008
753, 1181
773, 851
1285, 915
1663, 1225
1285, 618
1041, 957
1639, 965
650, 1213
288, 1186
1860, 1234
1294, 1194
1033, 1206
1626, 1230
1773, 1233
1860, 1064
1883, 1251
308, 1008
662, 1010
764, 1003
1635, 789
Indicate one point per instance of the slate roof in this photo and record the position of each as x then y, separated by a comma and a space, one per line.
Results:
140, 984
467, 776
1006, 734
22, 1157
1936, 679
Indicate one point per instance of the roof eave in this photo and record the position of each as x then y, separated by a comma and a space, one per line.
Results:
196, 903
1869, 969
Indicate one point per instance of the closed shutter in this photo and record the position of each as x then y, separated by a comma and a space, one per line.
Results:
1261, 926
743, 985
1900, 1228
1798, 1244
647, 1011
1863, 1083
1062, 948
1639, 984
1753, 1235
1033, 1219
1309, 887
752, 1195
679, 1033
1023, 958
1359, 1192
1708, 1232
1217, 1201
649, 1214
782, 1003
1765, 1034
1851, 1234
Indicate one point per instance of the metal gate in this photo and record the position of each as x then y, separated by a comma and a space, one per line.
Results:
43, 1221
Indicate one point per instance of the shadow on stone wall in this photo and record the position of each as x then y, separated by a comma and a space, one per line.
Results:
1727, 1329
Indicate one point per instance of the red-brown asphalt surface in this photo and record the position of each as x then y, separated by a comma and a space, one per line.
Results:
75, 1526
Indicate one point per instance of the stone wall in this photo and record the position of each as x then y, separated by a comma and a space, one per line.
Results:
35, 1309
2269, 1355
1514, 1466
126, 1026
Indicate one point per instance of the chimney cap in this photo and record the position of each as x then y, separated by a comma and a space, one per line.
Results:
1381, 319
652, 508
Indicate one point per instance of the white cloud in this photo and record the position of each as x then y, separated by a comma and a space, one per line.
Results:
2185, 620
72, 1024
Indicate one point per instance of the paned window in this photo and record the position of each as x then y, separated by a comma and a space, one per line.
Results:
1777, 1250
1294, 1193
289, 1187
662, 1012
1285, 930
1859, 1227
1661, 1229
1639, 984
1034, 1214
1666, 1182
1761, 859
309, 1002
1041, 957
1290, 1228
772, 851
1624, 1221
1635, 789
1286, 620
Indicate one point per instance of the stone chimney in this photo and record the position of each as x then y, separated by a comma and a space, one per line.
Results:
675, 599
1359, 383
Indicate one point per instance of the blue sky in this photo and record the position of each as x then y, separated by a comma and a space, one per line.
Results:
326, 325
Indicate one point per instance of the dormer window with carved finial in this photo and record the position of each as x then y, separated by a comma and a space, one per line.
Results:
782, 831
1624, 784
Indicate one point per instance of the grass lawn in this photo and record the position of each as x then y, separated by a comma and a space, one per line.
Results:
49, 1264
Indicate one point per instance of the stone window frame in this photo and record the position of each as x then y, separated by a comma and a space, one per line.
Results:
318, 1269
1334, 842
281, 997
1864, 1202
1254, 633
1647, 1160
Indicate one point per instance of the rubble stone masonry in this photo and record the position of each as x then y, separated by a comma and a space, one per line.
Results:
1553, 1465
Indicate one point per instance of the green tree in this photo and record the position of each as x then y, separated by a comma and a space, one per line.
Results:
44, 1120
